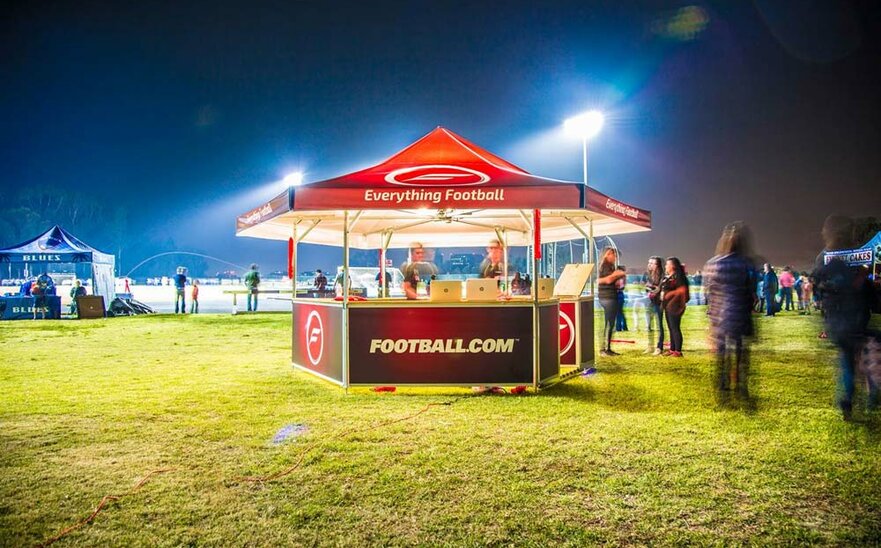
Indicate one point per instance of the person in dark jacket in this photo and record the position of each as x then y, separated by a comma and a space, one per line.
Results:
847, 298
674, 296
252, 284
76, 291
180, 285
608, 296
729, 281
769, 290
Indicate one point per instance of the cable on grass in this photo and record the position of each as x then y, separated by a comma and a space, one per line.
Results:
293, 468
104, 502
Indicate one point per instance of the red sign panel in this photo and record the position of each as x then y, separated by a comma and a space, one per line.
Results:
567, 332
317, 339
437, 345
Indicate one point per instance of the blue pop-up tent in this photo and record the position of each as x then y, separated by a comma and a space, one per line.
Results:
58, 246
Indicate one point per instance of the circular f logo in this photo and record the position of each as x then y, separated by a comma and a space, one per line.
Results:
436, 175
314, 337
567, 333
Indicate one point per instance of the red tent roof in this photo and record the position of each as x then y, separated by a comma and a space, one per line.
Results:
442, 171
442, 146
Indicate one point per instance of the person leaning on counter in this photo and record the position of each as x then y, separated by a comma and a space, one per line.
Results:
416, 269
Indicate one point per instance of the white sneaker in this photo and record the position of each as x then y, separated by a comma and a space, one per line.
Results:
657, 352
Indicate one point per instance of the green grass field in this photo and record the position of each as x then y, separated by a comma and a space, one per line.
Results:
639, 453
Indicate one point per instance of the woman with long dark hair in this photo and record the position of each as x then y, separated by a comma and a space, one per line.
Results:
653, 310
608, 295
674, 295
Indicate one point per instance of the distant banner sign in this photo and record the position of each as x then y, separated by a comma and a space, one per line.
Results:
46, 257
22, 308
599, 202
273, 208
853, 257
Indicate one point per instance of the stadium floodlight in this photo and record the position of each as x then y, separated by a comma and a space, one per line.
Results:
293, 179
585, 125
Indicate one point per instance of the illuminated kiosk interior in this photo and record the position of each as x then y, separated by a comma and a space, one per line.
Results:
442, 191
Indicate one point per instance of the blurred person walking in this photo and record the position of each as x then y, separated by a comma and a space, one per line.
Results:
608, 295
729, 283
620, 285
674, 296
698, 288
769, 290
654, 308
847, 299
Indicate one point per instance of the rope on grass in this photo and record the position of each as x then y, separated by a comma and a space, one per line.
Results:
104, 502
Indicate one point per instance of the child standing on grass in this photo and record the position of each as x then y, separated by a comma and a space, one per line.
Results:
194, 308
807, 294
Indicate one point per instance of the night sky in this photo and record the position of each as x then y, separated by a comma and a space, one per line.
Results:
190, 113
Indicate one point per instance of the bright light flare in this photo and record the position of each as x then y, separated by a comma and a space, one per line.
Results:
585, 125
293, 179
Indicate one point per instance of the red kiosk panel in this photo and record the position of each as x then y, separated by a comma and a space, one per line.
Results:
441, 345
317, 339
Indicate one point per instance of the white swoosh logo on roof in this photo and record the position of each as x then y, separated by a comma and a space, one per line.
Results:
457, 175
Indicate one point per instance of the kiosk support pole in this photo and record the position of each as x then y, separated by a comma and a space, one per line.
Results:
507, 280
294, 261
536, 255
345, 334
382, 251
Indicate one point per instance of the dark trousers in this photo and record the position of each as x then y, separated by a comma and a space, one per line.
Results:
847, 347
610, 314
674, 323
770, 304
787, 298
180, 300
656, 311
620, 320
252, 293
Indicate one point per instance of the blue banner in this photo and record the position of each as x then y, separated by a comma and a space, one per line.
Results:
853, 257
22, 308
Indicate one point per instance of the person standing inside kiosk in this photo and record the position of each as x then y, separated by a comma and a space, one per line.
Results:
416, 270
493, 265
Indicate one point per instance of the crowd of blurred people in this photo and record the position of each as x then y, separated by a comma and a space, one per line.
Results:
735, 290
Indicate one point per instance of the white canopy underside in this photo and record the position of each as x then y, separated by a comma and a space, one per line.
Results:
446, 228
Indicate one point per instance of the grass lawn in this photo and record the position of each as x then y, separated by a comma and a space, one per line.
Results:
638, 453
